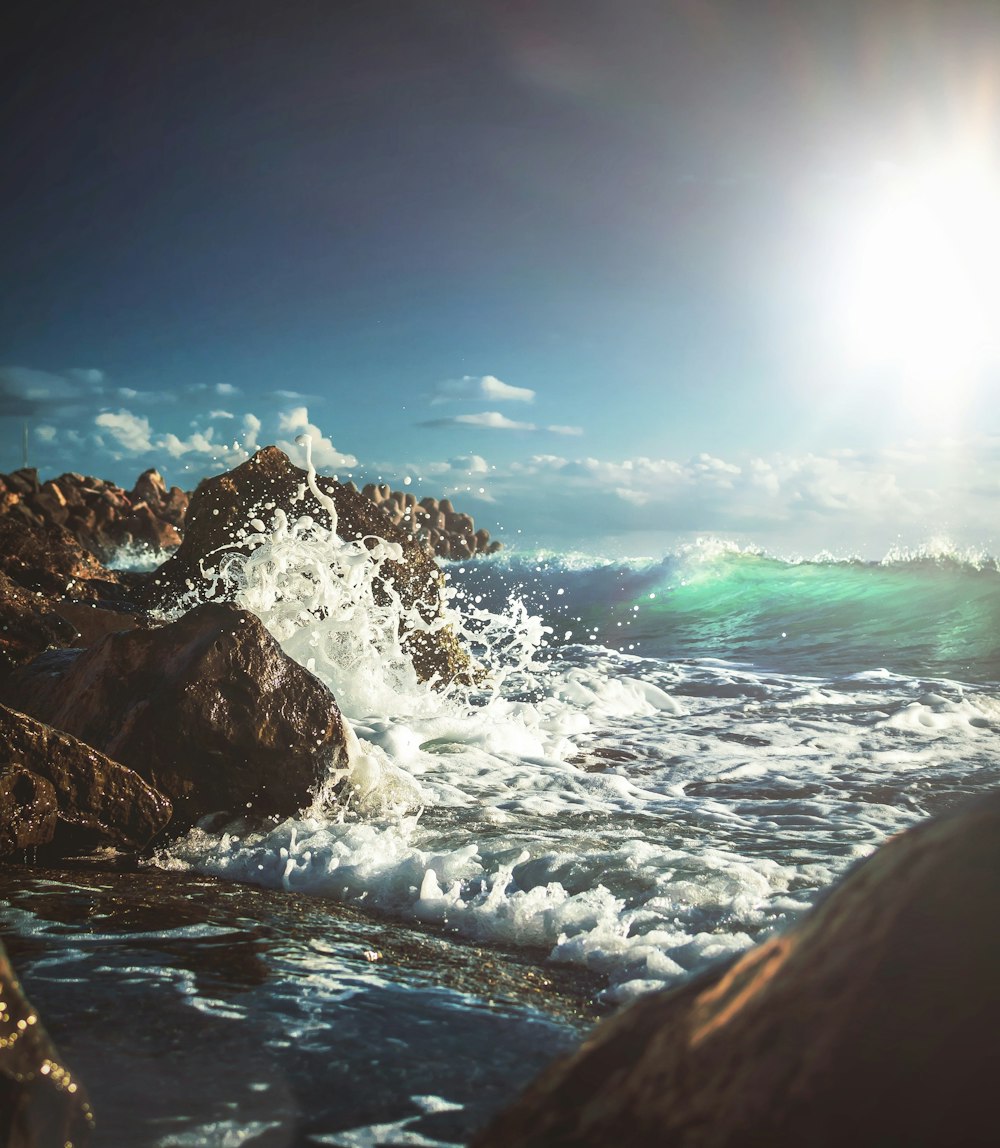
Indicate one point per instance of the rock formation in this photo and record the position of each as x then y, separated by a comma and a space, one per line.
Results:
208, 710
218, 519
434, 525
42, 1105
56, 787
101, 517
872, 1022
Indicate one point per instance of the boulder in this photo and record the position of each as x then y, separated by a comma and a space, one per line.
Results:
872, 1022
42, 1105
28, 625
222, 508
98, 801
208, 710
28, 810
45, 556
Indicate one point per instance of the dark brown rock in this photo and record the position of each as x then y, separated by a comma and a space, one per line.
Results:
42, 1104
221, 507
45, 556
209, 710
28, 625
28, 809
873, 1022
100, 799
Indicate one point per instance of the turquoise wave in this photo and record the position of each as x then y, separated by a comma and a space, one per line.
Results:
922, 615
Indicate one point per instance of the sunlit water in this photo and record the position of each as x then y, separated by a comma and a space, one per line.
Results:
666, 759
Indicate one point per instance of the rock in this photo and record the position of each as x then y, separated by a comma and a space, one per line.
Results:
45, 556
28, 625
42, 1105
208, 710
872, 1022
222, 507
28, 810
99, 801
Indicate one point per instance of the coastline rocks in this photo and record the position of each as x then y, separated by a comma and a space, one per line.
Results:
28, 625
45, 557
208, 710
873, 1021
41, 1104
101, 516
56, 789
219, 517
28, 810
434, 525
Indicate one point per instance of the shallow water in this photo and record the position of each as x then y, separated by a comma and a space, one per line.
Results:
208, 1014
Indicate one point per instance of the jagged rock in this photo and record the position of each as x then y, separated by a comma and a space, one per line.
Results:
222, 507
28, 809
169, 505
42, 1105
45, 556
99, 801
873, 1022
209, 710
28, 625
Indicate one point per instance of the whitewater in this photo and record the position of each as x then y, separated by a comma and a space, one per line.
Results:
663, 760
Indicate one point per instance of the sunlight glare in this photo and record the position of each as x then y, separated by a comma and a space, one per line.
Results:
920, 276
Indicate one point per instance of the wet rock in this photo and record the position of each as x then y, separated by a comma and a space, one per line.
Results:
872, 1022
42, 1105
209, 710
28, 809
222, 507
98, 800
46, 557
28, 625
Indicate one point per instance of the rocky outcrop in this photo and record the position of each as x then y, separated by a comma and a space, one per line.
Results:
55, 788
28, 810
434, 525
219, 517
872, 1022
44, 557
28, 625
42, 1105
99, 515
208, 710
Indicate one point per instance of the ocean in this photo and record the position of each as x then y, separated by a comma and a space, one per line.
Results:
666, 759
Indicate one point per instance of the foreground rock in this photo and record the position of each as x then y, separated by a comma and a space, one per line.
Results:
219, 517
873, 1022
53, 787
208, 710
42, 1105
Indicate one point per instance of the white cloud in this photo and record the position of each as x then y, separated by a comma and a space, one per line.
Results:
45, 433
325, 455
87, 375
482, 387
131, 432
226, 389
565, 430
221, 415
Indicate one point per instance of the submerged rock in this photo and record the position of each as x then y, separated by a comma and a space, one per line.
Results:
874, 1022
208, 710
42, 1105
218, 522
96, 800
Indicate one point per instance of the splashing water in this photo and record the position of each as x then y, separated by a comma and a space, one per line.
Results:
637, 815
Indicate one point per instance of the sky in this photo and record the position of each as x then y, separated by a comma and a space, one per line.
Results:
624, 273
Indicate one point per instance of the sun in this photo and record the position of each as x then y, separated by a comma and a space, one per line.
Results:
919, 272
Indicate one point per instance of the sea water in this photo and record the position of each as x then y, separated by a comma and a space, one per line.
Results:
665, 759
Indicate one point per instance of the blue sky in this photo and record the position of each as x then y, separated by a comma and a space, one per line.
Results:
643, 269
